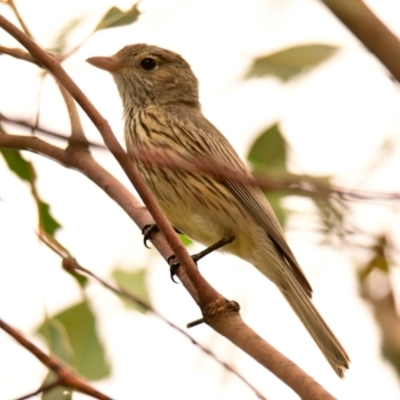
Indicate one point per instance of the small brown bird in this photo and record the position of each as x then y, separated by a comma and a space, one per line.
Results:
162, 113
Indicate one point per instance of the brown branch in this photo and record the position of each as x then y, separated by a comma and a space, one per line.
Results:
271, 358
42, 389
70, 264
136, 212
83, 162
214, 307
66, 376
233, 328
20, 20
18, 53
77, 133
370, 30
28, 125
206, 293
302, 185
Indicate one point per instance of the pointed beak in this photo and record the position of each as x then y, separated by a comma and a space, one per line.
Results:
109, 64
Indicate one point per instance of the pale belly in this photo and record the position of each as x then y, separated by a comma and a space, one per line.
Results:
204, 210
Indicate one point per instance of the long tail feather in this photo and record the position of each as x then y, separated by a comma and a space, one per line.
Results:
316, 326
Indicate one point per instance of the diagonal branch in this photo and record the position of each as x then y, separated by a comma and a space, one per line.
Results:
42, 389
83, 162
206, 293
370, 30
66, 376
71, 264
236, 331
24, 27
302, 185
18, 53
219, 313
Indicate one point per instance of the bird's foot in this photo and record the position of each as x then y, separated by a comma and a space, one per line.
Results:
149, 230
174, 263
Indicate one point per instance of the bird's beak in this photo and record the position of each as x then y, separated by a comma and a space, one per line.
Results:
110, 64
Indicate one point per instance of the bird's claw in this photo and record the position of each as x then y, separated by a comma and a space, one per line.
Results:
147, 231
173, 266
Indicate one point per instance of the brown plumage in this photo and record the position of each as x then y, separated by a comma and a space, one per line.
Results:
162, 112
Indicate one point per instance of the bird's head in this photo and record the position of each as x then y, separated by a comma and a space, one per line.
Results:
149, 75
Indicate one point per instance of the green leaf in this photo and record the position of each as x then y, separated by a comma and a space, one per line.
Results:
16, 163
26, 171
185, 240
46, 220
116, 17
269, 152
134, 283
57, 337
79, 323
274, 199
378, 261
81, 279
58, 392
287, 63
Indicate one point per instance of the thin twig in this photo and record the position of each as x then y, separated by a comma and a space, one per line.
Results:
206, 293
20, 20
278, 364
225, 317
77, 141
87, 165
77, 133
42, 389
308, 186
71, 264
18, 53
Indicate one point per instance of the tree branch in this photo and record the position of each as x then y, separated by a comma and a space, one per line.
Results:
206, 293
18, 53
370, 30
301, 185
218, 312
66, 376
70, 264
42, 389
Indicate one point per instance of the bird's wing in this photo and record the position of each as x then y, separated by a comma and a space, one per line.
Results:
250, 195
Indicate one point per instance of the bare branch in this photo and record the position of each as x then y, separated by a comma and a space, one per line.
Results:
77, 133
370, 30
20, 20
301, 185
234, 329
42, 389
206, 293
86, 164
219, 313
18, 53
257, 347
71, 264
66, 376
75, 140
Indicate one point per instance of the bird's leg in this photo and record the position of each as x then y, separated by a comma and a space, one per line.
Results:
174, 263
148, 230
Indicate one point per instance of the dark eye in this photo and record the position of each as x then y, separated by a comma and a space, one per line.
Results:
148, 63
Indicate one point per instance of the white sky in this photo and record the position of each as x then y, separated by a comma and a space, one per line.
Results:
335, 119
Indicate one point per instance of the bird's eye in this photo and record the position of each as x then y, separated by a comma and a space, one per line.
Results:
148, 63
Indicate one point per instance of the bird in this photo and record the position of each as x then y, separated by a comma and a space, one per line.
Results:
162, 113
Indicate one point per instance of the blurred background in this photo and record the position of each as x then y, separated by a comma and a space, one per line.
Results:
301, 100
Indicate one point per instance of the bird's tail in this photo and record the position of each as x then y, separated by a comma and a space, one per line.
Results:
316, 326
